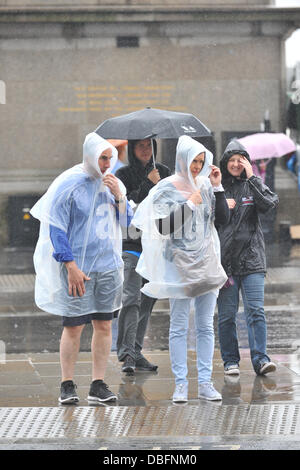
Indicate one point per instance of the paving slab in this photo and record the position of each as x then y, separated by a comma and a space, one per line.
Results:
144, 414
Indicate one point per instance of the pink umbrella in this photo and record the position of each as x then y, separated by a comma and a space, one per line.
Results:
264, 146
267, 145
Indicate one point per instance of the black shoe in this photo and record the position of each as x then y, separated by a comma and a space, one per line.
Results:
144, 364
99, 391
129, 364
68, 392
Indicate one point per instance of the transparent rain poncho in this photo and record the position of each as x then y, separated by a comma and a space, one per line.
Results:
79, 204
185, 263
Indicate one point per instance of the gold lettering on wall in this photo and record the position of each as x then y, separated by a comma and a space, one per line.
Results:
121, 99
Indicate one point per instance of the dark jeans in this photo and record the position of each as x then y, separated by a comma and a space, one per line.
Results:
135, 312
252, 289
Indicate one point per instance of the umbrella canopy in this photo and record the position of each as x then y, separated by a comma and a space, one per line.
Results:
267, 145
151, 122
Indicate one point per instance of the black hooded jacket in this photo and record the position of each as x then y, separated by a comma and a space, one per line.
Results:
134, 176
242, 239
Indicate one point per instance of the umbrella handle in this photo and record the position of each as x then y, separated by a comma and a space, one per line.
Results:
153, 158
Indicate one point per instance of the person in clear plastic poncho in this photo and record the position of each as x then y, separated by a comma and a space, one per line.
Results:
78, 263
181, 256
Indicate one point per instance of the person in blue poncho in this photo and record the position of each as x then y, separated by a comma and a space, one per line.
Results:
78, 262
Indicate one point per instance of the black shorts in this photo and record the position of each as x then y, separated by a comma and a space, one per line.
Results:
85, 319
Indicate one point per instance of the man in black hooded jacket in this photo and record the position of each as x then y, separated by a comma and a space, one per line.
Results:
139, 176
243, 259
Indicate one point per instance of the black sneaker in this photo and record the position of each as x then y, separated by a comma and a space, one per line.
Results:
129, 364
68, 392
99, 391
144, 364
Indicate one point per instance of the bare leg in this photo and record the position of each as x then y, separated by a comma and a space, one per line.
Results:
69, 348
101, 347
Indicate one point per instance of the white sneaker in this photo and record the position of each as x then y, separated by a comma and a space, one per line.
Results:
232, 370
181, 393
207, 390
267, 367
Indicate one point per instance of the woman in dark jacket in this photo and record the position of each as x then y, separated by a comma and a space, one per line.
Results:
139, 176
243, 258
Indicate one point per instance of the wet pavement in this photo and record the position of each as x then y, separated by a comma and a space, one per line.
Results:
252, 410
255, 412
32, 380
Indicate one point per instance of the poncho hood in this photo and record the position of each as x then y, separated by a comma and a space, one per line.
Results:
93, 146
187, 149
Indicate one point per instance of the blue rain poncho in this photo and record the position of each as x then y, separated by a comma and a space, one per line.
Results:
79, 205
185, 263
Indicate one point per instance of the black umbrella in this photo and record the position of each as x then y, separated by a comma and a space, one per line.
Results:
151, 122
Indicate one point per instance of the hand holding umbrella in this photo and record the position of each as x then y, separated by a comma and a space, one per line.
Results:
154, 176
